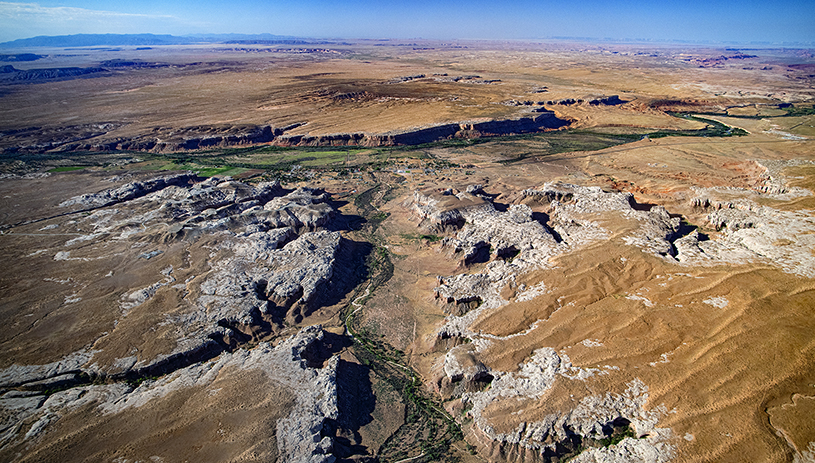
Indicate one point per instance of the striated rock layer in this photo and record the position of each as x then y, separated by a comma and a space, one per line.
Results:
498, 246
166, 140
300, 435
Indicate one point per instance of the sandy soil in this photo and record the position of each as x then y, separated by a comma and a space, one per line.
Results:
726, 350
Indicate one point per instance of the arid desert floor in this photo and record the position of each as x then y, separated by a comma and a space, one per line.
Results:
408, 251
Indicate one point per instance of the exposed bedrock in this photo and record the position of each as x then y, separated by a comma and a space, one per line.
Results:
750, 232
510, 244
519, 240
303, 365
202, 269
269, 273
489, 234
270, 263
102, 137
539, 122
513, 242
128, 191
560, 434
482, 233
186, 139
42, 139
461, 293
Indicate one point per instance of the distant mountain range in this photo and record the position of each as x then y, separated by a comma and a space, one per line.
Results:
92, 40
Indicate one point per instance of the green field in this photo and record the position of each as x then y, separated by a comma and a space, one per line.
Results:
66, 169
297, 163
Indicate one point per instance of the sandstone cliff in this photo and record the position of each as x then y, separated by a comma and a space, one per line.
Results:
101, 137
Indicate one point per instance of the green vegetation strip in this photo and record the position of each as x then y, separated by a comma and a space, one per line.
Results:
67, 168
293, 163
427, 432
713, 129
789, 111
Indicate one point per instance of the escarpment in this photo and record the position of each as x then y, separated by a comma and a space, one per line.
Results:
103, 137
537, 123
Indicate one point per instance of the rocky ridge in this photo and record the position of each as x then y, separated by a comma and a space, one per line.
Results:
752, 233
528, 124
101, 137
274, 261
9, 73
591, 419
246, 264
300, 436
749, 233
512, 243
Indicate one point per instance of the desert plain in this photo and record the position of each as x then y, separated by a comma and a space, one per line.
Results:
392, 250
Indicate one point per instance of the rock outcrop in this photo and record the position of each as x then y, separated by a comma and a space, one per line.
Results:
269, 272
271, 264
10, 74
184, 274
303, 208
165, 140
489, 234
613, 100
752, 233
545, 120
301, 435
511, 243
562, 433
128, 191
265, 278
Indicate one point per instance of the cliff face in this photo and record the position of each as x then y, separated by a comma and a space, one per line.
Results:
537, 123
168, 139
9, 73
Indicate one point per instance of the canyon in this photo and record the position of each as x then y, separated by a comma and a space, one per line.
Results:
377, 251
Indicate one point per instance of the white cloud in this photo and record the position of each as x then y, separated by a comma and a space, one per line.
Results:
34, 12
22, 20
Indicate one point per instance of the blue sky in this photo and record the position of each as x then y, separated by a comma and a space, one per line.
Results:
705, 21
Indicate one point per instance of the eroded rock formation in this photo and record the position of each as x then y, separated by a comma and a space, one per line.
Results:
300, 435
166, 139
271, 262
512, 243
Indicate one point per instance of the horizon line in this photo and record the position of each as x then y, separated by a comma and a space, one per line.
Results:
575, 39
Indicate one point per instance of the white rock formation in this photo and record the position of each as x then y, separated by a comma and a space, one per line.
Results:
21, 374
268, 256
299, 435
753, 233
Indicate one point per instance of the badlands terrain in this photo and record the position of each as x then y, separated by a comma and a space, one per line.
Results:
407, 251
